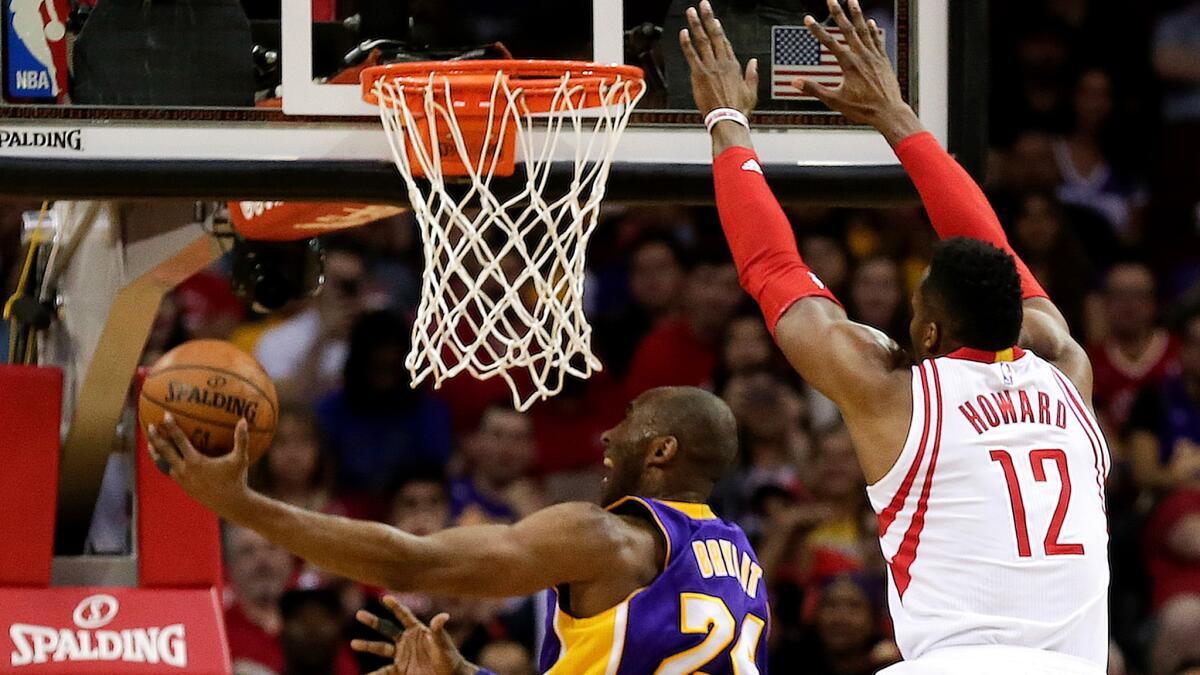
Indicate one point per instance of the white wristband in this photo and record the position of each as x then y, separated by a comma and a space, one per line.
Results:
720, 114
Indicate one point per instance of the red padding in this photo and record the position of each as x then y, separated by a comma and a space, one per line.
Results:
290, 221
179, 541
30, 417
113, 631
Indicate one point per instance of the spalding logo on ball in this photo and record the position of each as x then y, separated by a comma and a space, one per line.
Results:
208, 385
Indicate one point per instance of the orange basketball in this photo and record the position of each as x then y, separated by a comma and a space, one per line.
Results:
208, 385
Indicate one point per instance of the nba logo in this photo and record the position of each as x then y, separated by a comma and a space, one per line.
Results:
1006, 374
35, 50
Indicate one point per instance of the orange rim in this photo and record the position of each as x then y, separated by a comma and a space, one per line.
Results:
471, 82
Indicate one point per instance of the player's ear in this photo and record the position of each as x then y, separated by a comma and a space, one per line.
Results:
662, 450
932, 339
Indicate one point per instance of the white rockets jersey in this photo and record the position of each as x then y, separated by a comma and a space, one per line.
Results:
993, 518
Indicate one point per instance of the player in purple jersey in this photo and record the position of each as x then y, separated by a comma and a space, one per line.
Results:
652, 583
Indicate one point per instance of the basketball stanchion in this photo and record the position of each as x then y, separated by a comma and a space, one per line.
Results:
30, 415
102, 625
502, 286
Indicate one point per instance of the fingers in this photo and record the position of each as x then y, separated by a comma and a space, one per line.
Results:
716, 33
843, 22
409, 653
752, 74
384, 627
367, 619
699, 35
860, 26
180, 439
877, 37
820, 91
689, 49
403, 614
839, 50
385, 649
438, 624
163, 465
438, 627
389, 630
163, 451
241, 440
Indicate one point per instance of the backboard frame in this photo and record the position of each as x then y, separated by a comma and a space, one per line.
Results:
260, 170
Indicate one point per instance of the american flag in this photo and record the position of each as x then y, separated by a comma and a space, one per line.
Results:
795, 52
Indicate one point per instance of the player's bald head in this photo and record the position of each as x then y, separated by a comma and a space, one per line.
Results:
702, 424
674, 443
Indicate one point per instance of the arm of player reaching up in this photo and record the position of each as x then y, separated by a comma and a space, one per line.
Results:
957, 207
858, 367
567, 543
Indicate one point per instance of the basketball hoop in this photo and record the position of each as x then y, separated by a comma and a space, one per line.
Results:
502, 288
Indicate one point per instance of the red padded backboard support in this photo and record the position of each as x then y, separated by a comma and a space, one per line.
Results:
179, 541
292, 221
30, 417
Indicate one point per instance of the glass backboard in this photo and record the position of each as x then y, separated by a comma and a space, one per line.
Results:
256, 100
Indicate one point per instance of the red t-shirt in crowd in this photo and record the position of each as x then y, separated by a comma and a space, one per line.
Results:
567, 429
670, 355
1119, 380
249, 642
1171, 574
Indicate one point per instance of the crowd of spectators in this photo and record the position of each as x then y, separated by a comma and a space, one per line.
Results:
1094, 168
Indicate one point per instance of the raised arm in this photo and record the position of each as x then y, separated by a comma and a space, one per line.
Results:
567, 543
870, 94
858, 367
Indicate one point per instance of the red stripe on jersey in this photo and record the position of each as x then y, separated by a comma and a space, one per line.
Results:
1088, 420
888, 515
906, 555
1085, 423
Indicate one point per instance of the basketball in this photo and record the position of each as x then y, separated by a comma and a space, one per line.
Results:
208, 385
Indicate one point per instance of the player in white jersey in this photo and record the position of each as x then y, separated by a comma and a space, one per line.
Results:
992, 518
985, 464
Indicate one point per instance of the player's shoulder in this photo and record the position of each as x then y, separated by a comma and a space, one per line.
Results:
882, 366
1071, 363
594, 530
605, 526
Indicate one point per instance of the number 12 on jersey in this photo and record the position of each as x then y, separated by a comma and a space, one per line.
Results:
1037, 460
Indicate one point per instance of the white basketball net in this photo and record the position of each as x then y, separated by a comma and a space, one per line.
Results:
502, 288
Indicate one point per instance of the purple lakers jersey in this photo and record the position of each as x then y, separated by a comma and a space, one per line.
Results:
707, 610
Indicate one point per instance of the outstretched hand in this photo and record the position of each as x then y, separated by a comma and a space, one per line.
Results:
416, 649
718, 80
869, 92
217, 482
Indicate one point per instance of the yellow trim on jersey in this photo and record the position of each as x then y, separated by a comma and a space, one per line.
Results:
593, 645
1005, 355
691, 509
661, 527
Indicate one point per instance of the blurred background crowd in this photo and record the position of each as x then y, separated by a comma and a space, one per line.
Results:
1094, 168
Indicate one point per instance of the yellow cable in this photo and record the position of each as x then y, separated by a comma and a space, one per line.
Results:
34, 241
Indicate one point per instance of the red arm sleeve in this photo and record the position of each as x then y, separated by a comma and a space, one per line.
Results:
956, 205
760, 237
